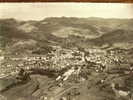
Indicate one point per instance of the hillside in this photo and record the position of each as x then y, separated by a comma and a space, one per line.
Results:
119, 36
64, 31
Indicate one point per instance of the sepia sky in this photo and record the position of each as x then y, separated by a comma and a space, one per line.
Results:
38, 11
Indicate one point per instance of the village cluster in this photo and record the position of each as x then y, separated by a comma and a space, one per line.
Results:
62, 58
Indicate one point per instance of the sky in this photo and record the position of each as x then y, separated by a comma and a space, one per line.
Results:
39, 11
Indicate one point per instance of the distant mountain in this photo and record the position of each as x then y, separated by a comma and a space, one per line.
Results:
30, 36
